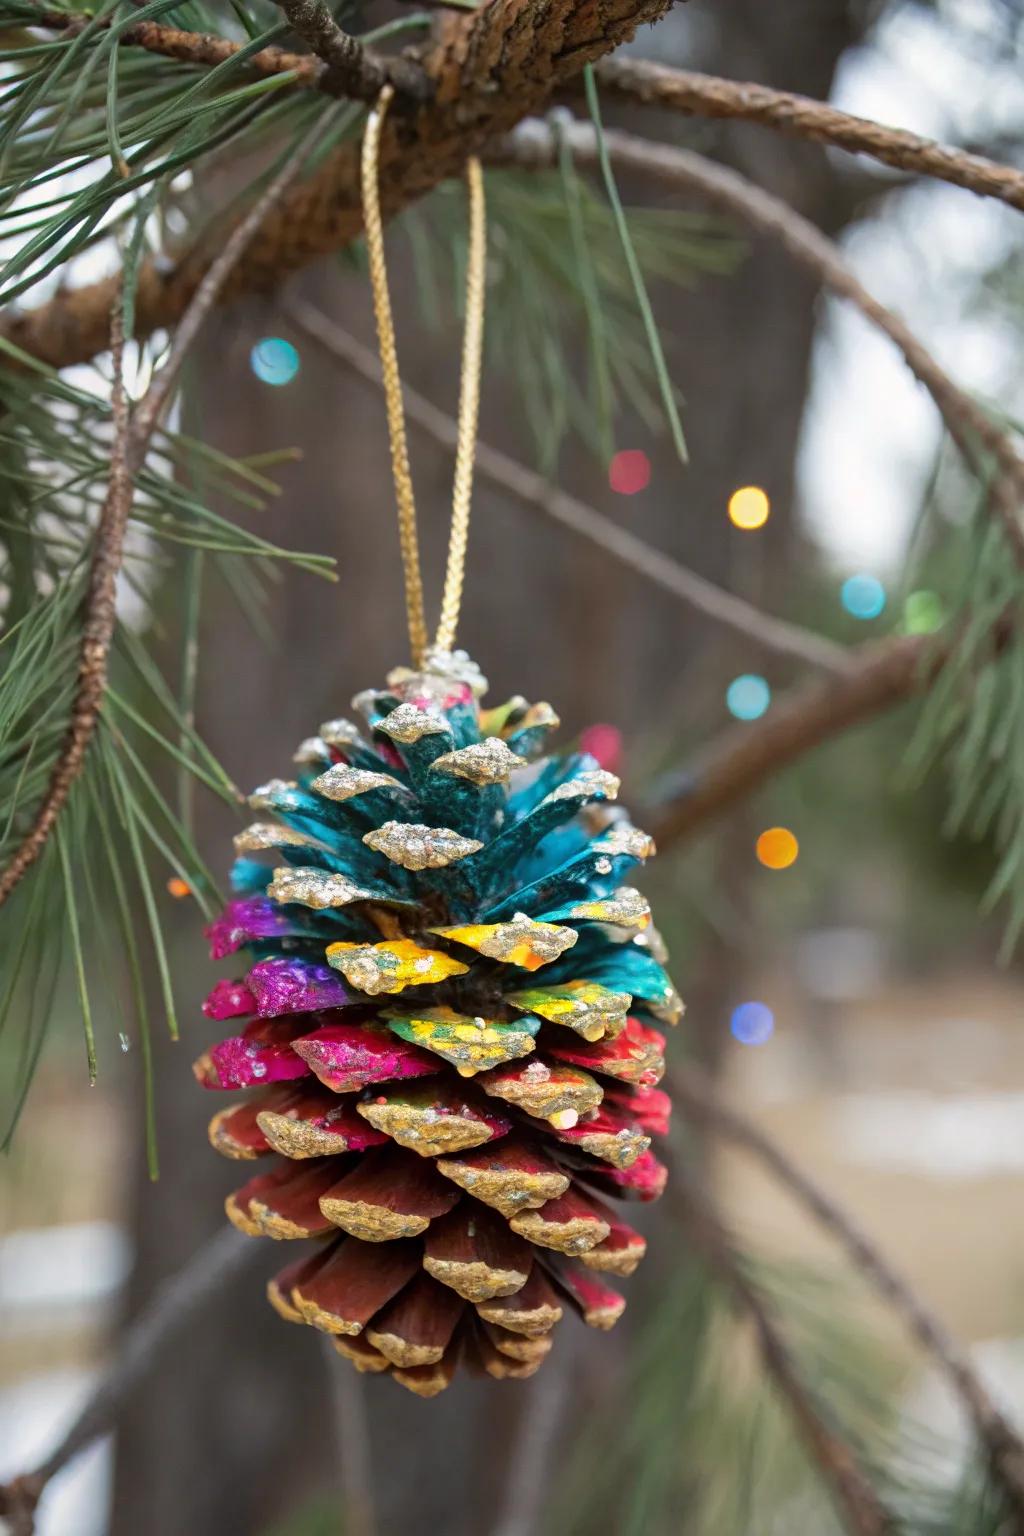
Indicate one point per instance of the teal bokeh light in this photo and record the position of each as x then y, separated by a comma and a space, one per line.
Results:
274, 360
862, 596
748, 696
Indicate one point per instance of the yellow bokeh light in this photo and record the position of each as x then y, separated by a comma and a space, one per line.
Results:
777, 848
749, 507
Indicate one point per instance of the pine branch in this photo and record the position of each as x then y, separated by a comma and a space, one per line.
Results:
170, 1311
349, 69
698, 95
132, 437
487, 69
856, 1501
1004, 1447
746, 756
533, 491
971, 428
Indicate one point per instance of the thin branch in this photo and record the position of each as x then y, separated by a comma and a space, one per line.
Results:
97, 627
746, 756
132, 437
697, 1093
856, 1501
171, 1309
536, 143
349, 69
200, 48
698, 95
533, 491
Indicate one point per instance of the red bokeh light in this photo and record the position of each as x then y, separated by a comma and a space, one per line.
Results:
605, 743
629, 471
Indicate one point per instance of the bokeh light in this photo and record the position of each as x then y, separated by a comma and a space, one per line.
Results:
178, 888
748, 696
749, 507
274, 360
629, 471
922, 612
777, 848
863, 596
752, 1023
603, 742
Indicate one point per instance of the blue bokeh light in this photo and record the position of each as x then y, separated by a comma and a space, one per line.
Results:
274, 360
752, 1023
748, 696
863, 596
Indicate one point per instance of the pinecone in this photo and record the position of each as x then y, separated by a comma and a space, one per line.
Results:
449, 1032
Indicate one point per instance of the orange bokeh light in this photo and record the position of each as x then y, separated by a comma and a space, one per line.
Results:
749, 507
178, 887
777, 848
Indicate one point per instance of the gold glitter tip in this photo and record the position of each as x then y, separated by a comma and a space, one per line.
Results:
486, 762
342, 782
392, 966
595, 781
262, 835
522, 941
591, 1010
625, 909
414, 846
311, 751
314, 888
341, 734
408, 724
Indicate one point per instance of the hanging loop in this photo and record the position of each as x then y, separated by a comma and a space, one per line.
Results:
469, 395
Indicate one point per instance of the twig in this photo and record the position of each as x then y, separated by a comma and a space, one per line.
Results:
745, 756
200, 48
131, 440
171, 1308
698, 95
534, 491
696, 1091
339, 64
536, 143
350, 70
856, 1501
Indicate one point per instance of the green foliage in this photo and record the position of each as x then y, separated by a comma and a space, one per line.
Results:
87, 125
973, 716
556, 277
695, 1438
119, 827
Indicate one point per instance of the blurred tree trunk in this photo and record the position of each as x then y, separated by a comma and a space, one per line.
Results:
235, 1430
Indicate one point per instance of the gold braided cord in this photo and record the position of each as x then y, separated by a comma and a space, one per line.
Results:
469, 394
392, 382
469, 408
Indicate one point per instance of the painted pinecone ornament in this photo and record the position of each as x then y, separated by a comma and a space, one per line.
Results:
450, 1030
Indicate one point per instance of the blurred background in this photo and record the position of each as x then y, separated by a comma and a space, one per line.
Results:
844, 985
